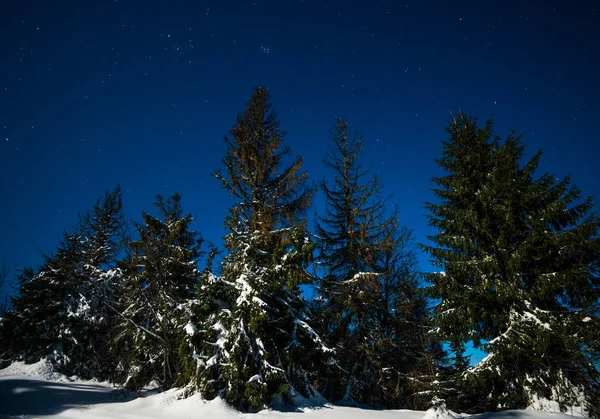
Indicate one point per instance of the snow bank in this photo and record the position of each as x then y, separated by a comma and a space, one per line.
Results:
440, 411
545, 405
42, 369
37, 390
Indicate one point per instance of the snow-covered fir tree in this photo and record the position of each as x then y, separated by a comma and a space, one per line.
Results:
36, 326
62, 308
253, 338
370, 308
161, 276
92, 317
520, 261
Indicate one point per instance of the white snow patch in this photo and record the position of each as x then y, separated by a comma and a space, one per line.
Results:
35, 390
42, 369
552, 406
190, 329
256, 378
359, 276
440, 411
531, 316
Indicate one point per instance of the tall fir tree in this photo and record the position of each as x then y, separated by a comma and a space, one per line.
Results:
520, 261
370, 308
160, 278
254, 340
92, 316
61, 310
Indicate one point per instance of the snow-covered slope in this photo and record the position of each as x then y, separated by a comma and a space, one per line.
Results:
36, 390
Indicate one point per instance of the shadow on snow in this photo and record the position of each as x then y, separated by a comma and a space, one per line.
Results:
31, 397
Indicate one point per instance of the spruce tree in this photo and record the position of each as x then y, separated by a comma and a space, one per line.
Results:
92, 316
160, 279
38, 321
370, 308
520, 264
404, 355
254, 340
61, 310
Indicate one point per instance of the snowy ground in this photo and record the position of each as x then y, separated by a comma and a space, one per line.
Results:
36, 391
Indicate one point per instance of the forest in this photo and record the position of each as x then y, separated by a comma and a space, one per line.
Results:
334, 307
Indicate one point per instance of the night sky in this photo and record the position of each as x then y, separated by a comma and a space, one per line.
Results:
141, 93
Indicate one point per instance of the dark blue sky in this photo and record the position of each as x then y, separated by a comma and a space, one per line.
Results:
95, 93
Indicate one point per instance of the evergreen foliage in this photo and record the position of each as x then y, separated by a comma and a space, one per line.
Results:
160, 279
370, 308
61, 311
519, 277
4, 299
254, 340
520, 272
92, 317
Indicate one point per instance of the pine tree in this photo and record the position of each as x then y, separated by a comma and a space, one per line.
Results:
61, 310
370, 307
520, 272
160, 280
253, 339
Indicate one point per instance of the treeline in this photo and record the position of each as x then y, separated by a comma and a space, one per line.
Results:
519, 277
